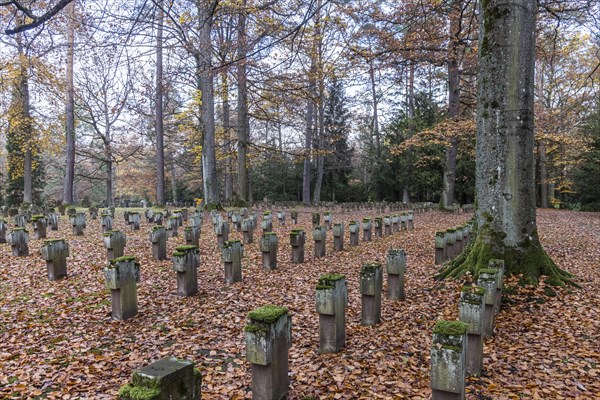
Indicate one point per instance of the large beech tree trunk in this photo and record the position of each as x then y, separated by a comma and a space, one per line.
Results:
160, 144
243, 131
506, 220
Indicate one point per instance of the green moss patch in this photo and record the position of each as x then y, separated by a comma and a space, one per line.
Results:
185, 248
370, 267
130, 392
450, 328
327, 281
117, 260
473, 289
267, 314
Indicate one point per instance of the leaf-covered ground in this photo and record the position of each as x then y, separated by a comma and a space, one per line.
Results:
57, 339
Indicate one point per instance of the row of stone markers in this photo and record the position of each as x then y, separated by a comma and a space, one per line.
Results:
451, 242
457, 347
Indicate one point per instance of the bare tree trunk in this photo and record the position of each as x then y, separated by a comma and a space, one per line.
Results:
173, 180
28, 128
375, 126
453, 103
243, 131
320, 107
543, 174
411, 128
160, 148
109, 176
227, 131
69, 186
310, 107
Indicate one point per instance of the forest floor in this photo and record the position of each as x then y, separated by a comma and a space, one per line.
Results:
57, 339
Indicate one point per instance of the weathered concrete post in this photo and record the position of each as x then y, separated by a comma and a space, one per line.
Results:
268, 247
395, 223
55, 253
78, 223
18, 239
149, 215
134, 220
3, 228
498, 265
158, 238
440, 248
248, 230
53, 221
114, 242
450, 241
222, 232
121, 276
297, 240
328, 219
71, 210
411, 220
403, 221
192, 235
93, 212
320, 238
387, 225
236, 220
371, 282
268, 337
19, 220
367, 229
353, 228
281, 217
487, 280
231, 254
179, 215
448, 360
159, 218
378, 227
396, 268
186, 260
470, 311
316, 219
126, 217
172, 225
294, 216
338, 237
165, 379
267, 222
197, 219
106, 221
39, 226
332, 295
458, 241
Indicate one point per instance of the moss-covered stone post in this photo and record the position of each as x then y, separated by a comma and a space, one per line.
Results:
396, 268
134, 220
231, 254
371, 283
338, 237
39, 226
196, 219
93, 212
403, 221
165, 379
268, 247
78, 223
244, 212
186, 260
395, 223
378, 222
387, 225
18, 239
184, 214
332, 295
450, 241
470, 311
487, 280
267, 222
328, 219
158, 238
297, 240
367, 226
106, 221
294, 216
149, 215
440, 247
248, 230
71, 211
192, 235
19, 220
448, 360
126, 216
172, 225
410, 219
159, 218
236, 220
53, 221
121, 276
179, 215
320, 238
268, 337
316, 219
498, 265
55, 253
114, 242
3, 227
353, 229
281, 217
222, 232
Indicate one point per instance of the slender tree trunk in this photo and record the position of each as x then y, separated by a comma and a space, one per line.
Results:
320, 107
375, 126
543, 174
69, 187
411, 130
160, 148
310, 111
26, 123
227, 131
109, 176
243, 132
173, 180
453, 102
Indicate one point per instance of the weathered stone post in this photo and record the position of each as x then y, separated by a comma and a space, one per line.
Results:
448, 360
267, 222
470, 311
53, 221
367, 229
378, 227
387, 225
338, 237
158, 238
458, 241
106, 221
134, 220
192, 235
294, 216
440, 247
71, 210
18, 239
39, 226
3, 228
353, 229
498, 265
268, 246
316, 219
268, 337
450, 240
3, 211
411, 220
281, 217
184, 214
126, 217
395, 223
320, 238
93, 212
231, 254
19, 220
78, 223
222, 232
396, 268
149, 215
487, 280
332, 295
179, 215
236, 221
186, 260
196, 219
159, 218
297, 240
121, 276
403, 221
172, 226
328, 219
371, 282
248, 230
168, 378
114, 242
55, 253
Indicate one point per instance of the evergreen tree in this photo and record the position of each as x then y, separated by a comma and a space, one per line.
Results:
587, 176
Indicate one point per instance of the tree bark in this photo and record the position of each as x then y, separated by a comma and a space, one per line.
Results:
543, 174
505, 184
375, 126
320, 158
243, 132
158, 110
69, 187
309, 118
227, 132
